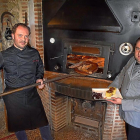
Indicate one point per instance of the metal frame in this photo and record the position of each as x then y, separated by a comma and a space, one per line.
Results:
105, 50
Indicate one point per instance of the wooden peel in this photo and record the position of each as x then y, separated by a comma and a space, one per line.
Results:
36, 84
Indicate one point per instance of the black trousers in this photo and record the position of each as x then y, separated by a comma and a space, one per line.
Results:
132, 132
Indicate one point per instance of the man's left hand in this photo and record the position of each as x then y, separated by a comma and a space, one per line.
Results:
40, 81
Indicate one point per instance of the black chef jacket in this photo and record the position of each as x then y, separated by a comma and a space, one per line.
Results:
24, 108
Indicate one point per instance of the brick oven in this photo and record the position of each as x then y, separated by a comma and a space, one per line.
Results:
73, 114
105, 30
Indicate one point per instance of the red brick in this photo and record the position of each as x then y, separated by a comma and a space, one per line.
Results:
39, 46
37, 1
118, 121
38, 30
25, 7
38, 5
4, 1
24, 3
37, 9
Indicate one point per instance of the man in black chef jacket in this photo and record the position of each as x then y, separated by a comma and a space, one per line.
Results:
23, 66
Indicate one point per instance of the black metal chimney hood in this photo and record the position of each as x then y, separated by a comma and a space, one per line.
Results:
89, 15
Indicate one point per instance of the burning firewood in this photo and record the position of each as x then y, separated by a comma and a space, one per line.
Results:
75, 65
77, 60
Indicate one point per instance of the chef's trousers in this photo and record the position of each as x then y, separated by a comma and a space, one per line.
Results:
132, 132
44, 131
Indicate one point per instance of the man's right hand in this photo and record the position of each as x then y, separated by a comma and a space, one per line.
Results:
115, 100
40, 81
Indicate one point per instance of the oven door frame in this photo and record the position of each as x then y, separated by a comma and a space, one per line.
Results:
105, 49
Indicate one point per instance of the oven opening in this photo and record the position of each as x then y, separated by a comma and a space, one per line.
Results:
86, 58
84, 64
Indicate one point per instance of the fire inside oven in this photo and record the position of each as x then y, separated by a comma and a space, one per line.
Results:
87, 59
85, 65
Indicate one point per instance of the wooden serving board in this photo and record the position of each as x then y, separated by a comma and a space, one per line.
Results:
103, 91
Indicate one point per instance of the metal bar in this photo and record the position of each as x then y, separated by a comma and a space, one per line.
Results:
36, 84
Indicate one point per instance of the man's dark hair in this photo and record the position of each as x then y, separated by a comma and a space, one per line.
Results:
20, 24
136, 42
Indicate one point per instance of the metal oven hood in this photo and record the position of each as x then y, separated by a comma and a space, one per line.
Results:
89, 15
107, 21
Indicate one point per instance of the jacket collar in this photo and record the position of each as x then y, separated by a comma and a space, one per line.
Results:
130, 70
16, 50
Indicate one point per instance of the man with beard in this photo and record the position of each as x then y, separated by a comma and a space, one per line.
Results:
23, 66
128, 81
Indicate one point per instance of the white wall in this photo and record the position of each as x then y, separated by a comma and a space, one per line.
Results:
32, 23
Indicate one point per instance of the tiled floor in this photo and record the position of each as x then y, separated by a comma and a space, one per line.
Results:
32, 135
69, 133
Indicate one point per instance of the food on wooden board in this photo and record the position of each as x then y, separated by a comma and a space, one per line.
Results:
110, 92
96, 95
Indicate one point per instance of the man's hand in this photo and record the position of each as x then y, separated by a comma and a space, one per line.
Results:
40, 81
115, 100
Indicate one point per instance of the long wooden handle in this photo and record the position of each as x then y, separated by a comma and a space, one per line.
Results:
36, 84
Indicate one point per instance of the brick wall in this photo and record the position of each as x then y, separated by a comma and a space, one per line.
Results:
23, 10
39, 27
114, 127
55, 107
